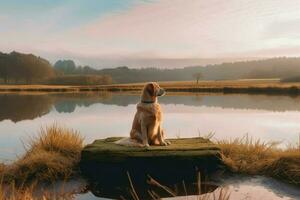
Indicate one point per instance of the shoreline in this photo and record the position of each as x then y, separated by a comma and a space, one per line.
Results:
225, 87
50, 158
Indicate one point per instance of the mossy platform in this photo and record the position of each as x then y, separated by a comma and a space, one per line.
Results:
105, 162
107, 151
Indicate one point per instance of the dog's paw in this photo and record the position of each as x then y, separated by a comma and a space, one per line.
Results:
146, 145
164, 143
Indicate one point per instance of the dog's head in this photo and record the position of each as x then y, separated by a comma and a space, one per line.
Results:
151, 91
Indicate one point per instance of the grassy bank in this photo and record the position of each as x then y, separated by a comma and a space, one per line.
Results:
55, 153
52, 155
259, 158
256, 86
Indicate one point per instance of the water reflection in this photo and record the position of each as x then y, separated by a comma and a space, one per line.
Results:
67, 103
238, 186
259, 187
252, 187
101, 115
18, 107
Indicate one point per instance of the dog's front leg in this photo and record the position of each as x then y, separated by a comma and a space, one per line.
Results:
161, 137
144, 134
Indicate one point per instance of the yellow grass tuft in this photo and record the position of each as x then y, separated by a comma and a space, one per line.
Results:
58, 139
53, 154
286, 168
255, 157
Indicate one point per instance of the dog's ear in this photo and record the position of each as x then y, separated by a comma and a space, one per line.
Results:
151, 89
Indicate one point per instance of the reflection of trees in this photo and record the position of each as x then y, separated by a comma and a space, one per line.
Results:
68, 102
19, 107
65, 107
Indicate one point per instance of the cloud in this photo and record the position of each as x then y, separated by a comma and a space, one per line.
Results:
160, 29
179, 29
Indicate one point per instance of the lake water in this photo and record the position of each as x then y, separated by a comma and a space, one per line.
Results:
101, 115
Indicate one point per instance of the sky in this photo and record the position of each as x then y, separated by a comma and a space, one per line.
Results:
119, 32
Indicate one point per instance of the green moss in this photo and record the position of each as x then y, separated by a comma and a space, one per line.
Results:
107, 150
176, 144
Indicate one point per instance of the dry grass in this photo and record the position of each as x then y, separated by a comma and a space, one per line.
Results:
53, 154
248, 86
213, 84
11, 192
255, 157
67, 142
240, 85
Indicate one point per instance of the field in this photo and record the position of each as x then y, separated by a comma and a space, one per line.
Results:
226, 86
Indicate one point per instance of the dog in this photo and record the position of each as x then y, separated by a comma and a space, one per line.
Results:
147, 124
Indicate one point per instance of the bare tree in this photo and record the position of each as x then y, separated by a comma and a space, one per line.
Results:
197, 76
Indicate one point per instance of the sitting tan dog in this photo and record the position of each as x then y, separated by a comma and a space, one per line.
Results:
147, 124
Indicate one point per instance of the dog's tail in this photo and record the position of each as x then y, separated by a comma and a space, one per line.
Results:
128, 142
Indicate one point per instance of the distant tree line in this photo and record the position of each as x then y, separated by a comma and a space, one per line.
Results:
24, 68
268, 68
70, 74
19, 68
69, 67
27, 68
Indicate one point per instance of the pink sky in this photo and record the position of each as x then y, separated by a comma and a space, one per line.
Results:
164, 29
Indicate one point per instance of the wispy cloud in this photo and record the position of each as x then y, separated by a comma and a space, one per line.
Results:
143, 29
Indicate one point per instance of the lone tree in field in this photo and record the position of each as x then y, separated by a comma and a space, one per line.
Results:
197, 76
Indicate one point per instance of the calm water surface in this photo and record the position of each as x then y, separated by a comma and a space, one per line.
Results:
101, 115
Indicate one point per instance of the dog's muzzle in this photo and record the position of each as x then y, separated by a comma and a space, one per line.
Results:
161, 92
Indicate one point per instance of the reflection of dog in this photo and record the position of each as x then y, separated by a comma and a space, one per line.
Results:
146, 128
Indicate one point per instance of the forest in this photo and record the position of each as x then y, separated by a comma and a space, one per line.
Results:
24, 68
19, 68
282, 68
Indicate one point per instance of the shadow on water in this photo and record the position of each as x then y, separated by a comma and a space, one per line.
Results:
17, 106
87, 189
236, 185
118, 187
